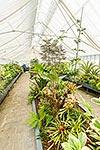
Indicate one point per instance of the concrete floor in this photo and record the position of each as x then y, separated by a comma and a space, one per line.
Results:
87, 95
15, 133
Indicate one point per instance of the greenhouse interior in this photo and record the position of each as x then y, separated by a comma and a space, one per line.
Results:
49, 75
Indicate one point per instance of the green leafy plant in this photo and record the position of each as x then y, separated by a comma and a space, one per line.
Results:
38, 82
7, 73
98, 85
75, 143
52, 52
96, 100
89, 73
73, 72
69, 121
43, 117
87, 107
92, 83
95, 134
58, 111
95, 71
32, 61
36, 68
95, 124
84, 78
87, 67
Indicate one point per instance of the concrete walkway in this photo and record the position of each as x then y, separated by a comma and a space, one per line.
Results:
15, 133
87, 96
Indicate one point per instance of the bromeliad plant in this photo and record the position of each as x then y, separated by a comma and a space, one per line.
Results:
89, 71
69, 121
90, 74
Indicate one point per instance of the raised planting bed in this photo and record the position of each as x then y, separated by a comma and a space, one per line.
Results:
59, 115
7, 89
65, 120
44, 144
36, 130
65, 78
84, 85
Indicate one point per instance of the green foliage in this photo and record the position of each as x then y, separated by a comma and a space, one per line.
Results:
84, 78
32, 61
43, 117
95, 134
90, 74
41, 80
75, 143
37, 68
95, 124
96, 100
30, 97
58, 112
92, 83
7, 73
38, 82
87, 67
98, 86
89, 109
33, 120
71, 72
96, 138
95, 71
61, 68
52, 52
70, 121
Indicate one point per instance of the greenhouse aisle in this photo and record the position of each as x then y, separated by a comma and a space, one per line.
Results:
82, 93
15, 133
